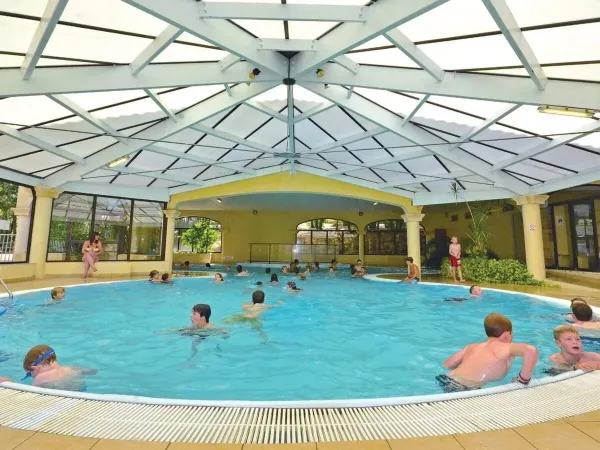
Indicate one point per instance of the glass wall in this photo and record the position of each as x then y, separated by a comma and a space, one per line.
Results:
197, 234
388, 237
16, 212
129, 229
344, 235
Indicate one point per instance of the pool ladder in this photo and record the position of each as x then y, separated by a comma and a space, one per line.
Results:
10, 294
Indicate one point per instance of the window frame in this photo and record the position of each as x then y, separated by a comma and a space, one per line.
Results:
93, 224
177, 241
337, 230
395, 231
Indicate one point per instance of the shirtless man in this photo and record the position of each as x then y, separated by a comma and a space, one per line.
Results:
583, 316
455, 252
414, 272
40, 363
478, 364
571, 355
257, 307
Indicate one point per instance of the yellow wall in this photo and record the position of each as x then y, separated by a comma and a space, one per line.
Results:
17, 272
105, 268
241, 228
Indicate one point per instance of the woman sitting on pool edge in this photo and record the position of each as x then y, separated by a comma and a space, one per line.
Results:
91, 250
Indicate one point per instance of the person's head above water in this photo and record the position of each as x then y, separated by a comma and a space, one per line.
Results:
582, 312
475, 290
239, 268
259, 283
165, 276
218, 277
577, 300
58, 293
37, 358
358, 261
568, 340
207, 265
258, 297
296, 262
186, 263
268, 270
154, 274
274, 278
200, 314
498, 326
352, 271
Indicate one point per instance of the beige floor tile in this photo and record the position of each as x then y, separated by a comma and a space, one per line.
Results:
589, 417
557, 435
186, 446
592, 429
358, 445
109, 444
492, 440
11, 437
427, 443
304, 446
46, 441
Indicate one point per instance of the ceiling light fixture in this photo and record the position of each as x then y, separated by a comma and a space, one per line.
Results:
320, 73
118, 161
255, 72
219, 200
375, 203
564, 111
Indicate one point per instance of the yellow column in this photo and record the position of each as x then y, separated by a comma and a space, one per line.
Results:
532, 227
41, 228
23, 213
361, 246
413, 238
172, 215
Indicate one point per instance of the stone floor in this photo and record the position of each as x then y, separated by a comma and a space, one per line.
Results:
581, 432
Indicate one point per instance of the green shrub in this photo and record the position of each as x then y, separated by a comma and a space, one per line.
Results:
500, 271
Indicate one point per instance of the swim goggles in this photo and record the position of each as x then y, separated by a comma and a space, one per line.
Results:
40, 359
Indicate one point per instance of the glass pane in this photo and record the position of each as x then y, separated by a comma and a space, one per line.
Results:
584, 236
401, 245
70, 226
372, 243
386, 243
15, 221
319, 237
335, 238
350, 244
199, 235
112, 222
303, 237
146, 237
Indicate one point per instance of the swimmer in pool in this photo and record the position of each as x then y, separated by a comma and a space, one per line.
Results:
291, 287
571, 355
583, 316
257, 285
474, 290
257, 307
154, 277
219, 278
201, 326
58, 295
241, 272
274, 280
478, 364
571, 316
41, 364
166, 278
284, 270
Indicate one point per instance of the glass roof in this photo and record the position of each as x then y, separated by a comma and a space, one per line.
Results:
186, 120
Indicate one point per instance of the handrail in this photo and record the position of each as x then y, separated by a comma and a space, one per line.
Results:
10, 294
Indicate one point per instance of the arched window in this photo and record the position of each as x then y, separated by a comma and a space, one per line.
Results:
207, 238
388, 237
336, 232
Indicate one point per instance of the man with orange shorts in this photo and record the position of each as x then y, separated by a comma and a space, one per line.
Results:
455, 251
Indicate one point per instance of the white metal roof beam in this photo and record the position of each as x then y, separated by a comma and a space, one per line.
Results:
195, 158
229, 61
291, 140
406, 46
347, 63
162, 130
289, 45
19, 178
65, 80
407, 156
63, 101
587, 176
471, 195
48, 21
313, 111
499, 88
411, 114
156, 99
184, 15
348, 140
32, 140
505, 111
425, 179
233, 138
150, 174
547, 146
258, 106
269, 11
155, 48
382, 16
505, 20
116, 190
412, 133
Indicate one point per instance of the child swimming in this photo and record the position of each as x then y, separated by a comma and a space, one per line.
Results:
166, 278
219, 278
257, 307
274, 280
291, 287
41, 364
154, 277
241, 272
571, 355
583, 316
478, 364
57, 295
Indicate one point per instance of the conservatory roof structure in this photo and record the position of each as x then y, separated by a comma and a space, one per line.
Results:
148, 98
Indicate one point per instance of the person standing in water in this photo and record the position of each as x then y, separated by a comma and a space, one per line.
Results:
91, 250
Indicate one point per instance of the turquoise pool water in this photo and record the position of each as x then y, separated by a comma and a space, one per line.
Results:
340, 338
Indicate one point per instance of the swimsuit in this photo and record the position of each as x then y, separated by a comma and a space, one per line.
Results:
454, 261
449, 385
